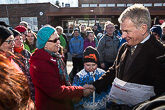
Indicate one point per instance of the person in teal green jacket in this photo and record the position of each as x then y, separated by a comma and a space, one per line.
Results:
30, 43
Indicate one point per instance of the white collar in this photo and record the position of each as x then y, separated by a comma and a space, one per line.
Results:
144, 40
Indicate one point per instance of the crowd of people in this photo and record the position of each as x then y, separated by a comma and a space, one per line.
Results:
113, 68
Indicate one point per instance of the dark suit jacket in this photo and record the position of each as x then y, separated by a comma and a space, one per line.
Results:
156, 104
144, 68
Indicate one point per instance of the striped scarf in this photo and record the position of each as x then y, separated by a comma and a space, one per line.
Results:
61, 67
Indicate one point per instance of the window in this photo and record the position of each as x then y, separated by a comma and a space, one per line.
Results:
147, 4
86, 22
129, 5
158, 4
121, 5
93, 5
32, 22
85, 5
163, 4
67, 5
102, 5
83, 22
6, 20
102, 22
111, 5
68, 26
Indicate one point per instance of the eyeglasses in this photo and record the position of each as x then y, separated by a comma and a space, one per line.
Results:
109, 27
55, 40
9, 41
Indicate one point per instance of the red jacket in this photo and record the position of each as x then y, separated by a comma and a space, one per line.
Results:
50, 92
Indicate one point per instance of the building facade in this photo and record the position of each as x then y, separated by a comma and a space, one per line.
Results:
87, 13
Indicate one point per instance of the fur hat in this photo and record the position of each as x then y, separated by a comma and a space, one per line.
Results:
43, 35
157, 29
21, 29
91, 55
4, 34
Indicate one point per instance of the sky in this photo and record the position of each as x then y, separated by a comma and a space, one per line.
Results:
73, 3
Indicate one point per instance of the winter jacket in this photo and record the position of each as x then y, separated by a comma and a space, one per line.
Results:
83, 77
26, 46
108, 48
51, 93
144, 68
76, 46
23, 62
88, 43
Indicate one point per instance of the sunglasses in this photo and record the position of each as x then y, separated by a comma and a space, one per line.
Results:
9, 41
55, 40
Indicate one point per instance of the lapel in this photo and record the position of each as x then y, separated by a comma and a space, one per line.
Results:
122, 60
140, 60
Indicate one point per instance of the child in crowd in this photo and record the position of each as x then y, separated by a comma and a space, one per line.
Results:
88, 75
90, 40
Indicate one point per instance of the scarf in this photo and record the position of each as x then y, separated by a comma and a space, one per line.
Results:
18, 50
61, 67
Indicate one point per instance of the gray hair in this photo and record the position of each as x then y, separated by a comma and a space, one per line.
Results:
138, 14
108, 23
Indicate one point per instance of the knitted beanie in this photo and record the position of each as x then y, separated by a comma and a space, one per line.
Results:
43, 35
76, 29
4, 34
157, 29
91, 55
20, 28
4, 24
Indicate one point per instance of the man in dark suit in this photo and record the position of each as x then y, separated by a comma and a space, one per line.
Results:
136, 76
159, 102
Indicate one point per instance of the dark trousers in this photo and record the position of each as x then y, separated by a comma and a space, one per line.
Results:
77, 65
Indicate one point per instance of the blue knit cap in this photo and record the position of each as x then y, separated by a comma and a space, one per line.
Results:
157, 29
43, 35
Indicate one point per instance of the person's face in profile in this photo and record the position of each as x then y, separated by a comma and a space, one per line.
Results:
8, 44
131, 33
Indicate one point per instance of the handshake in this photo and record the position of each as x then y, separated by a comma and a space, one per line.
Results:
88, 89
